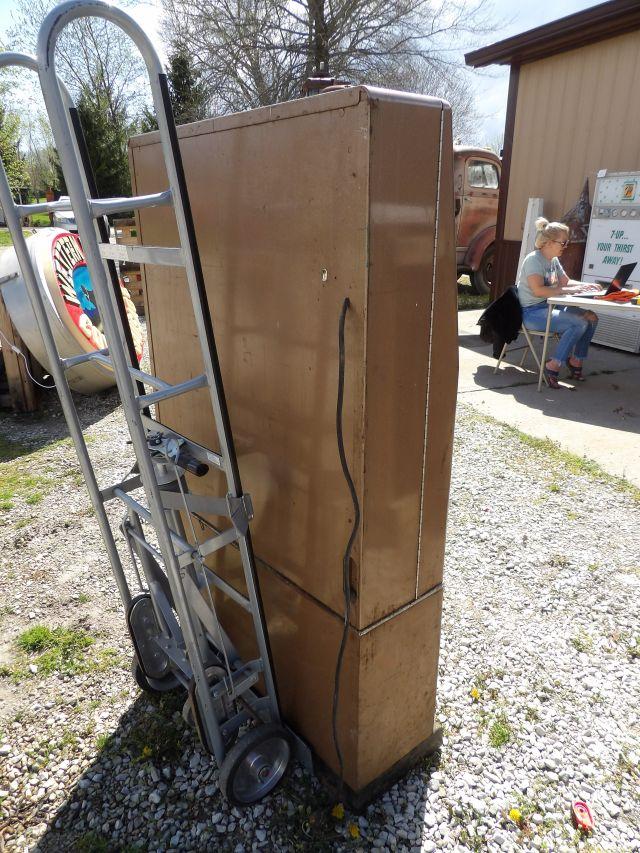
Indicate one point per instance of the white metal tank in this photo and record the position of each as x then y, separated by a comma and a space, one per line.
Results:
61, 270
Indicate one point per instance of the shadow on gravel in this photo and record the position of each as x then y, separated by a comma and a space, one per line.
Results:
135, 778
38, 429
152, 787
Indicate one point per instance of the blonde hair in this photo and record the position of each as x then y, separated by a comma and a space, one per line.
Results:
546, 231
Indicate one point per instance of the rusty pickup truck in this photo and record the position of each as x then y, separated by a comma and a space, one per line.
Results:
476, 183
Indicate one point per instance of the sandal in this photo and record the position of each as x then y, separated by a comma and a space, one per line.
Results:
575, 372
552, 377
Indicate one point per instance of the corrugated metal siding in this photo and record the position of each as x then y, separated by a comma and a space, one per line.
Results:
577, 112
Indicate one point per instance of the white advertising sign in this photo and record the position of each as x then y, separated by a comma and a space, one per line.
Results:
614, 231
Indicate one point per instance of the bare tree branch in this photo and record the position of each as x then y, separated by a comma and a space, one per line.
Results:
255, 52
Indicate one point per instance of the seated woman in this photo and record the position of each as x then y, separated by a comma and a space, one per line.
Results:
541, 276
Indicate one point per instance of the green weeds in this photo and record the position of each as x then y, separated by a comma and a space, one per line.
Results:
58, 650
161, 736
500, 732
468, 299
17, 480
91, 842
582, 642
570, 461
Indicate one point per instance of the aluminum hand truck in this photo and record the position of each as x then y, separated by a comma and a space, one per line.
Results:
175, 630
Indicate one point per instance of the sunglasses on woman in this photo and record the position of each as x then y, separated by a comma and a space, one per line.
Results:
563, 243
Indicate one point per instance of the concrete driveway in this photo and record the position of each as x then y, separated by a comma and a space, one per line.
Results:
598, 418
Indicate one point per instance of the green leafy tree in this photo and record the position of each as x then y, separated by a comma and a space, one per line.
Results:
189, 99
14, 163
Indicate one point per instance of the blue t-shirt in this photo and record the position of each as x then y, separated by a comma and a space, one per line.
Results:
536, 264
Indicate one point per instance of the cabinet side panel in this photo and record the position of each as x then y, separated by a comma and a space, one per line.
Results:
405, 152
397, 687
443, 381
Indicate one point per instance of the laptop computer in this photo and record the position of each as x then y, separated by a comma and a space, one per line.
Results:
617, 282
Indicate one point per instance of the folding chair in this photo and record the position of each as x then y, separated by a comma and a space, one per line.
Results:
528, 333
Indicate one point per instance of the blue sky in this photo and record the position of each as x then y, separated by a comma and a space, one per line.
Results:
492, 91
491, 87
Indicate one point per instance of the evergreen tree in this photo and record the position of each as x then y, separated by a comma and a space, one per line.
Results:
106, 135
188, 95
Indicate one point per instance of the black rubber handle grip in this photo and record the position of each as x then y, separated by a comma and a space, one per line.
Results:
193, 466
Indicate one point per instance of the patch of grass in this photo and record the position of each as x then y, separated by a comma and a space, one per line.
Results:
559, 561
103, 741
68, 739
532, 715
500, 732
83, 598
57, 649
5, 237
10, 450
527, 806
161, 736
468, 299
633, 650
36, 639
39, 220
582, 642
627, 774
17, 480
555, 488
91, 842
570, 461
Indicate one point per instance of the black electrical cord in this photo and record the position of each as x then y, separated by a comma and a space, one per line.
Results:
347, 553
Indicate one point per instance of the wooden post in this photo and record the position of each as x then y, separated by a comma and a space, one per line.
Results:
23, 395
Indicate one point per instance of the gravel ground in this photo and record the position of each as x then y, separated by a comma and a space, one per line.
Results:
538, 691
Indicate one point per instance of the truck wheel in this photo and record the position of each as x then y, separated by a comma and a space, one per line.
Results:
482, 277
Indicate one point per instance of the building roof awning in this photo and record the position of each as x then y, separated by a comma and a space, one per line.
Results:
594, 24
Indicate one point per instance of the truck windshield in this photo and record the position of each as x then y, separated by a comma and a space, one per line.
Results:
482, 174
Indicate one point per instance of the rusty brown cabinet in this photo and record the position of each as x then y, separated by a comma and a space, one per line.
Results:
476, 181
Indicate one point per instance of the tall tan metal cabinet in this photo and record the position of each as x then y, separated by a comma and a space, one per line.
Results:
296, 207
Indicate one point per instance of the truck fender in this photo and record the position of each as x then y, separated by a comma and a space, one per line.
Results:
478, 246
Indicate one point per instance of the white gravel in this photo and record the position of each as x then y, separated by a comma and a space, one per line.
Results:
538, 694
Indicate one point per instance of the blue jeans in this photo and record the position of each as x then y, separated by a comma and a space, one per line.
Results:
575, 332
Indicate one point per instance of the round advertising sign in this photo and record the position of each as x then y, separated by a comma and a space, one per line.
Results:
76, 292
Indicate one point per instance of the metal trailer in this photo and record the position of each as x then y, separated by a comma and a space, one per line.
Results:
175, 631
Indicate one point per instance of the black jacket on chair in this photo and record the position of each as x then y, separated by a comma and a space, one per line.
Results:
500, 323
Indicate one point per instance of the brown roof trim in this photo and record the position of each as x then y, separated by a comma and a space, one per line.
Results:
594, 24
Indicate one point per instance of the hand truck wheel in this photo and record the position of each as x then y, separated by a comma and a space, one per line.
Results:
152, 685
151, 668
255, 764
